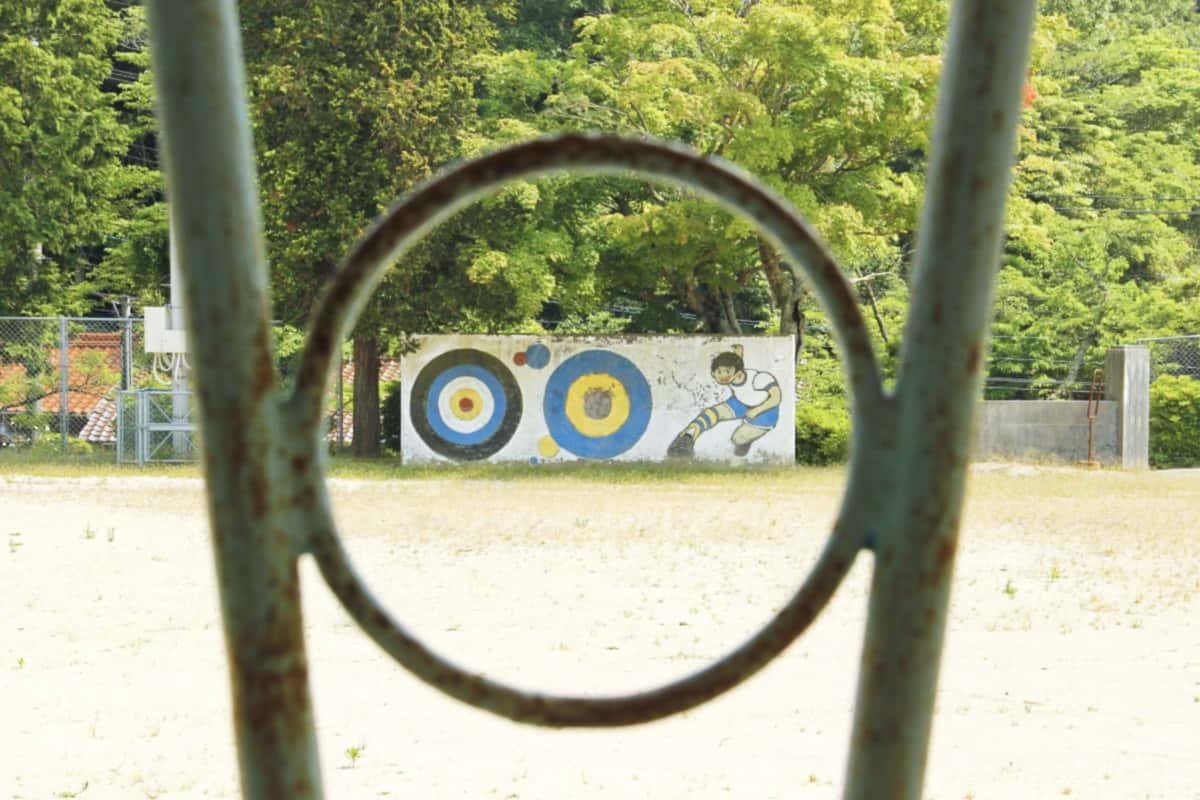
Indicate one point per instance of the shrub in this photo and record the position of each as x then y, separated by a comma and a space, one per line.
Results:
391, 415
822, 435
1175, 422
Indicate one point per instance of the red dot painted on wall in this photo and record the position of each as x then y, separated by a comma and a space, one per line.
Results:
519, 359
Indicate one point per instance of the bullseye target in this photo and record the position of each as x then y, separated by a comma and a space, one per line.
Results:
597, 404
465, 404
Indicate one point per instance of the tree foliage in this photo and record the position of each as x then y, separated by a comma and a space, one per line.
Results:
829, 103
65, 189
1103, 227
353, 104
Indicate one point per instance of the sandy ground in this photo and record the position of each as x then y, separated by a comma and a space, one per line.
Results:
1072, 665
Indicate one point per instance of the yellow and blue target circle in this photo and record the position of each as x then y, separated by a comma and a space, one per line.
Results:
597, 404
465, 404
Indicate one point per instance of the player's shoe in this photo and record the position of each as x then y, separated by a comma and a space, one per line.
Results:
684, 446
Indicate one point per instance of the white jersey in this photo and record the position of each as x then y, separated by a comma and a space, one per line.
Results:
754, 390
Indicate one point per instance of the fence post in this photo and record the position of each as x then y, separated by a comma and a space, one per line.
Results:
208, 158
127, 343
1127, 380
945, 338
64, 389
341, 414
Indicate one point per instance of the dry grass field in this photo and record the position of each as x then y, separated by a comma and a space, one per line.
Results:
1072, 666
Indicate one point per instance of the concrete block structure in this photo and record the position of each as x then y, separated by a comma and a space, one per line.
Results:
1058, 429
1047, 429
1127, 382
627, 398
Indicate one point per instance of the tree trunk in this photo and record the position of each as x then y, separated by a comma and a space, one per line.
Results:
787, 296
367, 426
1064, 387
1089, 339
712, 306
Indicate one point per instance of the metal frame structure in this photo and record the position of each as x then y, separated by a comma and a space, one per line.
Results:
263, 451
164, 431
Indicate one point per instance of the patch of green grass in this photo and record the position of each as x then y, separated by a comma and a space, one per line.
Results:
45, 462
585, 471
41, 462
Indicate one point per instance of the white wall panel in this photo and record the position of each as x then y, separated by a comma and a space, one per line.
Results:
627, 398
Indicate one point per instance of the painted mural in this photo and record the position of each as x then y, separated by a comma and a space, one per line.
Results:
636, 398
753, 402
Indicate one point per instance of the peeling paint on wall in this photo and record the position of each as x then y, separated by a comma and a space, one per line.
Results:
629, 398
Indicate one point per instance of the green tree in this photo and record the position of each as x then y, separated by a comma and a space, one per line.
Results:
354, 102
1103, 231
63, 185
829, 104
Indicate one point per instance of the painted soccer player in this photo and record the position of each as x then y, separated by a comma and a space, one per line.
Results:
754, 398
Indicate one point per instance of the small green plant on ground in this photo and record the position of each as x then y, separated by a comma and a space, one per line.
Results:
354, 752
1009, 588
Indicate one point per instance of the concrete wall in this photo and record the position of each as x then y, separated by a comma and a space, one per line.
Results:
1058, 429
626, 398
1040, 429
1127, 381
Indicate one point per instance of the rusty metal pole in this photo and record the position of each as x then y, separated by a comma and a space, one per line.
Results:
267, 500
945, 340
200, 88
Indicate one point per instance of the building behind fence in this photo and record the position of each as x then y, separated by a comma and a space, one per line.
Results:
59, 376
65, 380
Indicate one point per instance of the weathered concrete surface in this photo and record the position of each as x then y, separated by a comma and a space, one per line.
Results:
1055, 429
1127, 381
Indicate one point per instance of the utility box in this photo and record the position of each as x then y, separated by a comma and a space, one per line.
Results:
159, 336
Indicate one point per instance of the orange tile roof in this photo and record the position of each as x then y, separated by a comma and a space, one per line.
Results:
389, 370
101, 425
93, 372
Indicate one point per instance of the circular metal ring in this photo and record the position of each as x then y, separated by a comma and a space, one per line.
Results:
436, 200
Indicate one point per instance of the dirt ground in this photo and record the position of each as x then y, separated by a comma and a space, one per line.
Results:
1072, 665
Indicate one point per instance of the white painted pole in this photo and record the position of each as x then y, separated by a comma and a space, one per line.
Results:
176, 321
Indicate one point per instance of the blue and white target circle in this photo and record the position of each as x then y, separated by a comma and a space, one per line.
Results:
597, 404
465, 404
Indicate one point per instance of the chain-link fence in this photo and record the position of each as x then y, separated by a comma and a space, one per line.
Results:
1174, 355
73, 383
59, 377
1174, 400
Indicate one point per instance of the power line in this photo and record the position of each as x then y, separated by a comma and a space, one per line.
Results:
1131, 212
1132, 197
